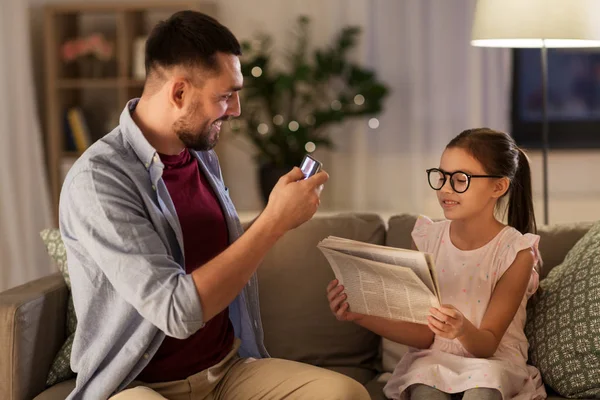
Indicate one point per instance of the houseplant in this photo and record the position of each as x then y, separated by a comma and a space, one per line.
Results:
287, 113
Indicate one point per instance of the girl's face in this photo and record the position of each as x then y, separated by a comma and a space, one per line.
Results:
482, 193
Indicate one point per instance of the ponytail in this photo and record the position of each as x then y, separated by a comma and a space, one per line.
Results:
520, 204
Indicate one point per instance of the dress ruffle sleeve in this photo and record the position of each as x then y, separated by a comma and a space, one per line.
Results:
519, 242
421, 233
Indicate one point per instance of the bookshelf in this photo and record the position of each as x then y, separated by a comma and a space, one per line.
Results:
100, 96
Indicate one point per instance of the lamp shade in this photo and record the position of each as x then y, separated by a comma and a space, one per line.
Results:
533, 23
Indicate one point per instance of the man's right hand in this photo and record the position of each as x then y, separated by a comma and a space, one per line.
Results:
294, 200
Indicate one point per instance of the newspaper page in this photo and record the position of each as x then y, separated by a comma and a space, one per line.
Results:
420, 263
382, 290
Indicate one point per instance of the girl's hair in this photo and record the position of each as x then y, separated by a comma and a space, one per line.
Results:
499, 155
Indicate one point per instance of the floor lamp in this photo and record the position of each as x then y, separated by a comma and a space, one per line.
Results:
540, 24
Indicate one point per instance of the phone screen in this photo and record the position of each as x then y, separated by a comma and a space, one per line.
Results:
310, 166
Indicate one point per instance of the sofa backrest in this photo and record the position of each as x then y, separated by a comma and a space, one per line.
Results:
294, 309
555, 240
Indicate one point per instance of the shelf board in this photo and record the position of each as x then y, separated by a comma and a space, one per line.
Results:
88, 83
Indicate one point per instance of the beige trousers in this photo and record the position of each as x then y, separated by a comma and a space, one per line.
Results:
238, 378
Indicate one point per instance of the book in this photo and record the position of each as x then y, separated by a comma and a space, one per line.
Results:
79, 129
384, 281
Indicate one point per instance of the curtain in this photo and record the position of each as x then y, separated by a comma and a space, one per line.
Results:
24, 196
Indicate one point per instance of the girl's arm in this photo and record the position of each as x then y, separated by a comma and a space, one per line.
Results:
482, 342
410, 334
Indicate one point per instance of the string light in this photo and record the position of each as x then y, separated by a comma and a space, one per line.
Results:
256, 72
373, 123
278, 119
293, 126
310, 147
336, 105
263, 128
359, 99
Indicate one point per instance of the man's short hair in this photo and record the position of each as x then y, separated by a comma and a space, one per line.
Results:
188, 39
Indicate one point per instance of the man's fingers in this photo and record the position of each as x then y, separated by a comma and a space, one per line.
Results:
318, 179
294, 175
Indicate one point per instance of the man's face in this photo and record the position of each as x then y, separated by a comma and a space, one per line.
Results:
215, 101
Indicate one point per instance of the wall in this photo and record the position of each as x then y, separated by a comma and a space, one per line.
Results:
574, 189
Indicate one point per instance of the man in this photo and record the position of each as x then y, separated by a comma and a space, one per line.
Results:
163, 280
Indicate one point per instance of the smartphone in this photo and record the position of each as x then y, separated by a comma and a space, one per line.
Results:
310, 166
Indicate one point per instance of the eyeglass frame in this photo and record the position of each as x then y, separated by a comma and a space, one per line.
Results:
444, 174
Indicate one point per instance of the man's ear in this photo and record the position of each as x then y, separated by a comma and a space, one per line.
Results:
178, 91
501, 187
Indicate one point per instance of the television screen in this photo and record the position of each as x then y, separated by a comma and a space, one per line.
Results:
573, 97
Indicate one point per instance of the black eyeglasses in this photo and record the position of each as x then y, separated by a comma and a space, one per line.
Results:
459, 180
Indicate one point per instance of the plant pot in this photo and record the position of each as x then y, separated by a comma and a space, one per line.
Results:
268, 177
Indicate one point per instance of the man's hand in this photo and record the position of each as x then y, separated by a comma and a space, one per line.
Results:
294, 200
337, 303
446, 321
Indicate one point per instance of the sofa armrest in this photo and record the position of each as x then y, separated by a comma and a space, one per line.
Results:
32, 329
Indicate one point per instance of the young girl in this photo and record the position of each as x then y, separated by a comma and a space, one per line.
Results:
474, 343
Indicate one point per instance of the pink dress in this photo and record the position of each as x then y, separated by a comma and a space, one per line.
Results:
467, 280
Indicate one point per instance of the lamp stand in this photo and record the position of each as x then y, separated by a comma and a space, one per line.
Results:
545, 139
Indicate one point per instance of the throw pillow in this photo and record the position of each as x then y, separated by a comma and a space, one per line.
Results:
563, 325
60, 370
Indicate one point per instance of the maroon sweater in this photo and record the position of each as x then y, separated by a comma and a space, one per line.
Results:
204, 237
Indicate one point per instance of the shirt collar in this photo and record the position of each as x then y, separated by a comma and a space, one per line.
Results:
142, 148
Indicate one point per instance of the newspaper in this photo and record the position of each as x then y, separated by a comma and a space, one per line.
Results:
384, 281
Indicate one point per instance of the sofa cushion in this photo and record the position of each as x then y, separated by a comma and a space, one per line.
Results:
57, 392
556, 240
60, 370
563, 325
295, 313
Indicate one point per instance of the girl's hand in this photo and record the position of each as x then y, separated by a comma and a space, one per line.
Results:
446, 321
337, 303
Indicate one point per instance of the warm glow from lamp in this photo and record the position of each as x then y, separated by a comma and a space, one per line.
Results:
537, 23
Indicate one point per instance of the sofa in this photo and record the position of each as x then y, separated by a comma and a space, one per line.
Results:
297, 322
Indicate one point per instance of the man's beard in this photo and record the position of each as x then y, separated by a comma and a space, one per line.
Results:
199, 139
202, 140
